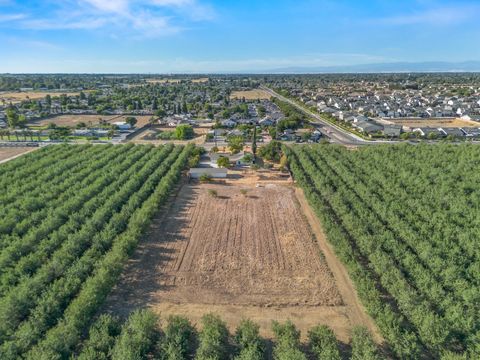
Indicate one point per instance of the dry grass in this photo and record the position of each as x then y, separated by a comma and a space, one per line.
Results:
16, 97
142, 120
163, 81
200, 80
175, 81
414, 123
72, 120
256, 94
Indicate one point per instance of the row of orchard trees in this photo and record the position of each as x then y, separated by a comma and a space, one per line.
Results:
73, 215
403, 220
141, 338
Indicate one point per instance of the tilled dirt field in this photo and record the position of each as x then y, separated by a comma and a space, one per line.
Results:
244, 249
239, 255
235, 249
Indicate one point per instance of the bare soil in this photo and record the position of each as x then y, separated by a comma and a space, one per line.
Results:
9, 153
72, 120
250, 255
251, 94
18, 96
149, 136
414, 123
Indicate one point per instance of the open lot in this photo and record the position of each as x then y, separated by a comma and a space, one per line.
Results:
175, 81
251, 95
149, 136
239, 255
72, 120
414, 123
142, 120
8, 153
16, 97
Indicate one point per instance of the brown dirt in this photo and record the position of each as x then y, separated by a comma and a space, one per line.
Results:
16, 97
72, 120
240, 256
414, 123
10, 153
148, 136
251, 95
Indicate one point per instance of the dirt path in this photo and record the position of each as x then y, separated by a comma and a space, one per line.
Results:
355, 309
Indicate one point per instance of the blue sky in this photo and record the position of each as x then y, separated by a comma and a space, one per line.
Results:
163, 36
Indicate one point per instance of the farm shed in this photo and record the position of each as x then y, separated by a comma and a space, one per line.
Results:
195, 173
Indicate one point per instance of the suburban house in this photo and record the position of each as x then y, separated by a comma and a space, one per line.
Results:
455, 132
368, 127
392, 130
426, 131
266, 122
471, 132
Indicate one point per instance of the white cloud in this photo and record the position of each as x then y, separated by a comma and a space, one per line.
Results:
65, 24
133, 18
437, 16
178, 3
117, 6
11, 17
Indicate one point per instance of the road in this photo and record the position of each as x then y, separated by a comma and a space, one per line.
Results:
334, 132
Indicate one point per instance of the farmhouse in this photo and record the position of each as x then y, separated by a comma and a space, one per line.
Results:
196, 173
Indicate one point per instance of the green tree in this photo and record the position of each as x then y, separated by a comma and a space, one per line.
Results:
247, 336
213, 339
363, 347
254, 142
272, 151
179, 340
236, 144
138, 337
131, 120
12, 117
223, 162
184, 132
287, 345
323, 343
101, 339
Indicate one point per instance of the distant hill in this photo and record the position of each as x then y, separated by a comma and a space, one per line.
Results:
433, 66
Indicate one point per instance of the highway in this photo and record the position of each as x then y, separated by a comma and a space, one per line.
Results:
334, 132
